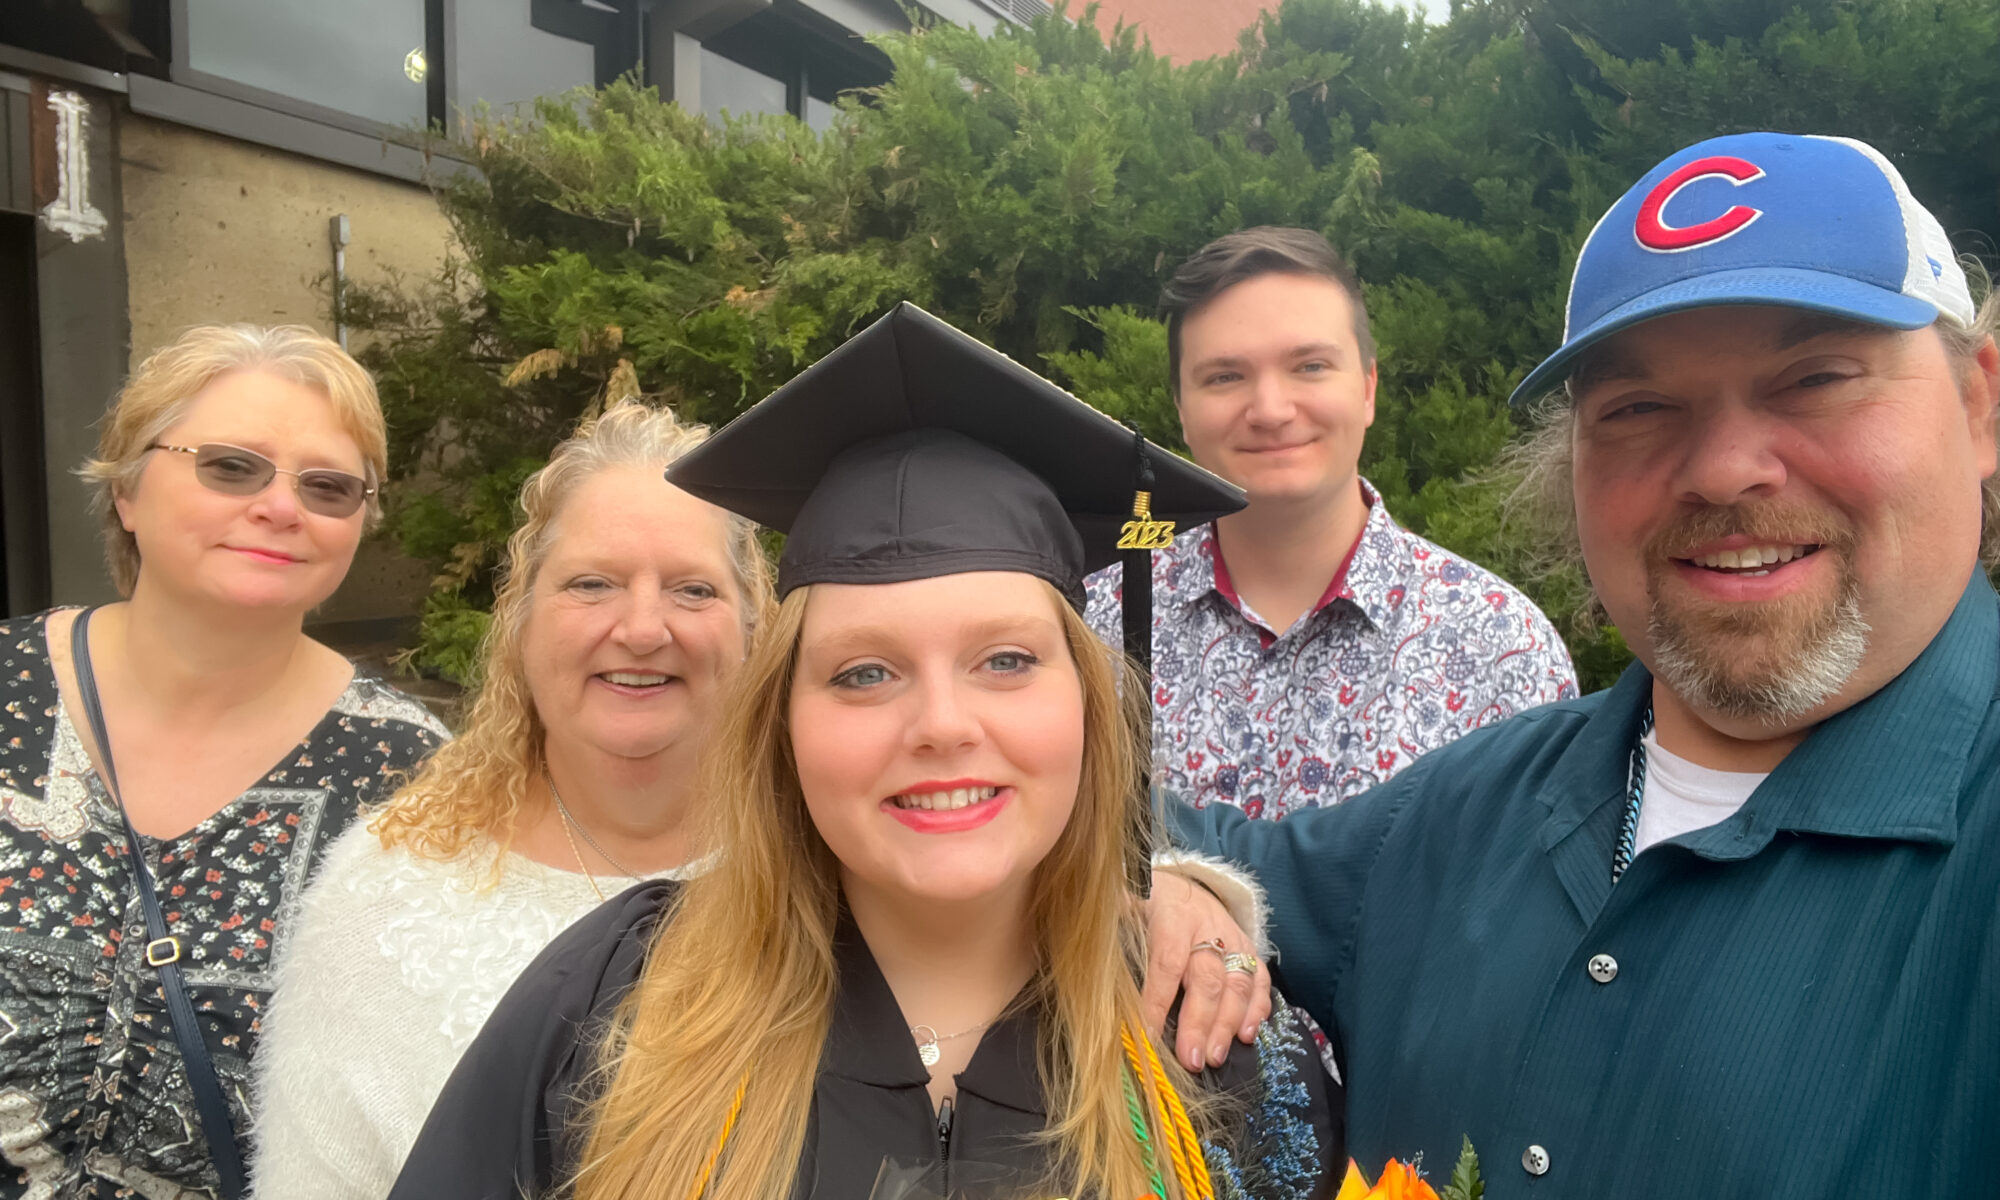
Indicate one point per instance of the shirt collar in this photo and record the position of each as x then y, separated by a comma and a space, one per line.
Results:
869, 1042
1891, 767
1190, 564
1371, 576
1378, 566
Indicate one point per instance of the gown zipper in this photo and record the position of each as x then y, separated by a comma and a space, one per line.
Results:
944, 1142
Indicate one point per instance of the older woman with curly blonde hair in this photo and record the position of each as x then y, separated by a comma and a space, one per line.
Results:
624, 605
174, 765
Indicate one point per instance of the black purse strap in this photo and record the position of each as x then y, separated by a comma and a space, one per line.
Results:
163, 951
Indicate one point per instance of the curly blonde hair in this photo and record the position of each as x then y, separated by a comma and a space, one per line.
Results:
478, 785
156, 398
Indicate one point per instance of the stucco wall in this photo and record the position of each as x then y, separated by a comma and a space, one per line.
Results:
218, 230
1181, 30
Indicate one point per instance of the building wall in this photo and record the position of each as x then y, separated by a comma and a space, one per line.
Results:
1184, 30
80, 302
222, 230
218, 230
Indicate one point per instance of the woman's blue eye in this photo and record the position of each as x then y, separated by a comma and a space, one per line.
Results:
865, 675
1010, 662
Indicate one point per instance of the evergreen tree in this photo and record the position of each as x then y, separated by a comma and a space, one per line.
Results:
1037, 186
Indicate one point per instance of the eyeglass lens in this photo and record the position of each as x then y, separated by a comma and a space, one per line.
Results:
235, 471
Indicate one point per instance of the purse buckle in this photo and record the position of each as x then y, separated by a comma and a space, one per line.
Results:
162, 951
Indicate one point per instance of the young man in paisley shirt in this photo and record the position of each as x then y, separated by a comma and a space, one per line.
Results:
1308, 647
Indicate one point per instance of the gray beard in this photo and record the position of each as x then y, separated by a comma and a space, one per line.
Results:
1706, 678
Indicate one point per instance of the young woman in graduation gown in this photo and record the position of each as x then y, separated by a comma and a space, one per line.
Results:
913, 969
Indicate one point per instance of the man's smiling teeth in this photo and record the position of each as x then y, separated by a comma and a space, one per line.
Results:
946, 801
634, 678
1751, 557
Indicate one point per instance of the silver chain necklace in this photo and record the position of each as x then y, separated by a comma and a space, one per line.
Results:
570, 822
928, 1050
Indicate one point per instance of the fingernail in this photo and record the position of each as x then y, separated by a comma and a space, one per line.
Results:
1193, 1060
1217, 1053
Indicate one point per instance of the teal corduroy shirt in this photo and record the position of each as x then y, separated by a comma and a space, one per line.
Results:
1800, 1001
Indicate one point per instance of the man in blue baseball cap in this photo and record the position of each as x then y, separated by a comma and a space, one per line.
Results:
1731, 927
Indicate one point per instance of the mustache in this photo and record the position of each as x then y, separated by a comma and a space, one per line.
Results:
1761, 522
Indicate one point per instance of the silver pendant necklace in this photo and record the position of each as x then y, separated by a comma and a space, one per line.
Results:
571, 823
928, 1050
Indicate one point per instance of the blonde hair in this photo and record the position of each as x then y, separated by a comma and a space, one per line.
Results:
157, 395
687, 1034
478, 785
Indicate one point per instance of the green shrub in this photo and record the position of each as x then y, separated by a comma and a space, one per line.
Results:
1037, 186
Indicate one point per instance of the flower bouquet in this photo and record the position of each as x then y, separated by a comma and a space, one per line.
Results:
1401, 1181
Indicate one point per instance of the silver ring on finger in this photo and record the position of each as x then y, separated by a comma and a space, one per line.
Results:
1244, 963
1213, 946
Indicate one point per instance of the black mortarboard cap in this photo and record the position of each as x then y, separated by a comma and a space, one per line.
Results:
913, 451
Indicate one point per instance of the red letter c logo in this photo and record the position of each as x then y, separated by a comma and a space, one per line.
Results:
1656, 235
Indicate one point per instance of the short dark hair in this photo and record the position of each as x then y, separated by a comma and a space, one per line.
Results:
1239, 257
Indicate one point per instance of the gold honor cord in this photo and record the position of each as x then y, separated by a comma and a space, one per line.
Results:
1183, 1147
728, 1124
1142, 532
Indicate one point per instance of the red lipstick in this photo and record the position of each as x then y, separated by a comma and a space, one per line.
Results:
954, 820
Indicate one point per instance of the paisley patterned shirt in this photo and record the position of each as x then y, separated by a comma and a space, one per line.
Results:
1410, 647
93, 1097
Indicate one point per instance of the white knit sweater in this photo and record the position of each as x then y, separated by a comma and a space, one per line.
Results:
393, 966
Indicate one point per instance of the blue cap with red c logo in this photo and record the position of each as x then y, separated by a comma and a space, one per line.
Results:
1796, 221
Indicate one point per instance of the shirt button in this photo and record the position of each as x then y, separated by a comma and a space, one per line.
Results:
1535, 1160
1603, 968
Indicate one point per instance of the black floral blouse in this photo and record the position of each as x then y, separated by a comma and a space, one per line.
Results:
93, 1099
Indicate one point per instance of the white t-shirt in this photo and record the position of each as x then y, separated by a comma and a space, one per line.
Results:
1682, 796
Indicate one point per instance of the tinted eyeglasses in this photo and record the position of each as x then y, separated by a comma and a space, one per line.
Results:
234, 471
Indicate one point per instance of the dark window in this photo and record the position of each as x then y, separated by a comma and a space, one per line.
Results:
730, 87
499, 57
814, 58
809, 59
400, 63
366, 58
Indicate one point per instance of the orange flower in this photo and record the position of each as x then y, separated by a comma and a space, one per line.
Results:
1399, 1181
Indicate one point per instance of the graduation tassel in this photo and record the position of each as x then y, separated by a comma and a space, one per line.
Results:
1137, 540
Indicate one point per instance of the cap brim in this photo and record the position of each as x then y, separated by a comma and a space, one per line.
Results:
1813, 291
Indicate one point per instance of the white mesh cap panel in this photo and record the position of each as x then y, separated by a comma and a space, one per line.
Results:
1933, 274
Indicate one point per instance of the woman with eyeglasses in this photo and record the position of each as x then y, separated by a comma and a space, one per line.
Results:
173, 765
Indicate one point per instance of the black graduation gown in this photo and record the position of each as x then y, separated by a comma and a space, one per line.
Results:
500, 1129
